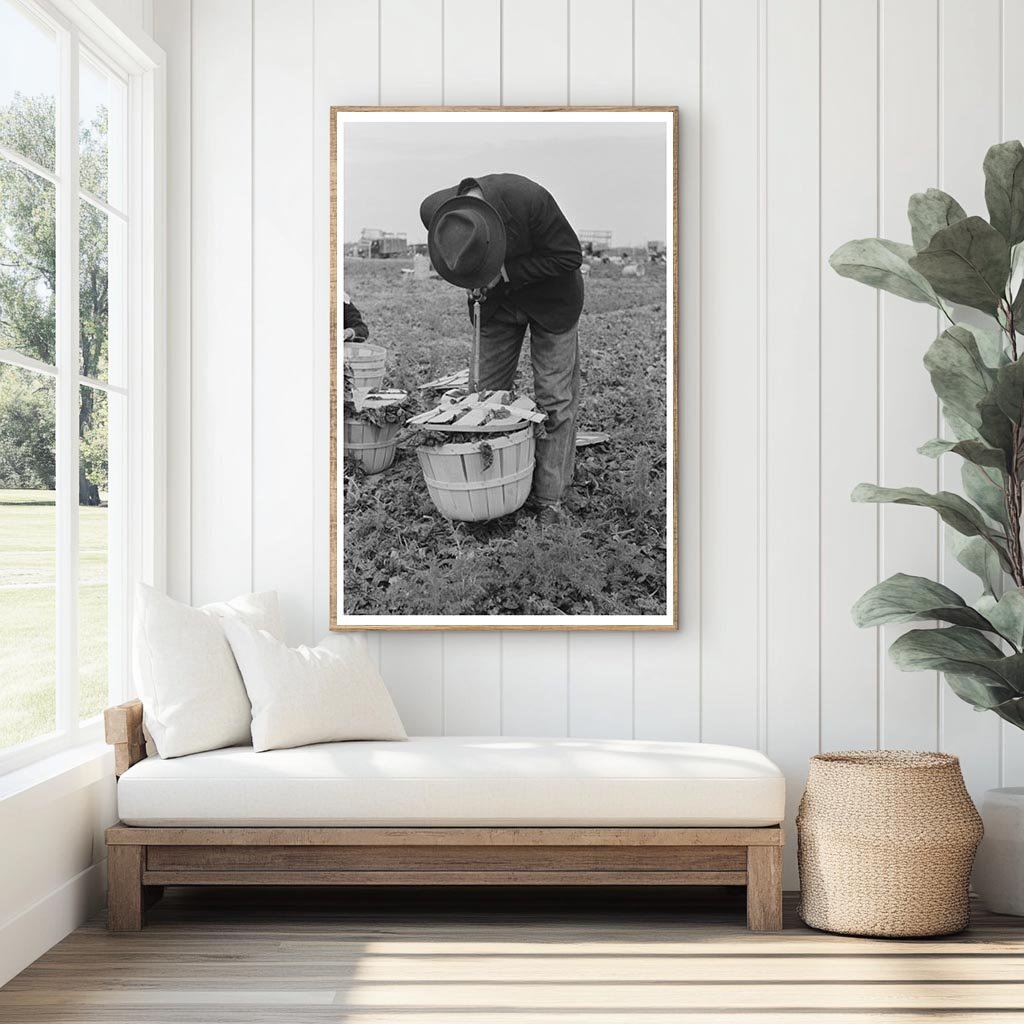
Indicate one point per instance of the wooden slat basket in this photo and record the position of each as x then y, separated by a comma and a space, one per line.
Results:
371, 446
366, 364
463, 490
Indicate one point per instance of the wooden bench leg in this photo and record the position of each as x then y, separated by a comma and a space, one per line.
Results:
125, 896
764, 888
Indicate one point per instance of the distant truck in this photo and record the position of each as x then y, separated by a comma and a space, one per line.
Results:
375, 244
656, 251
594, 243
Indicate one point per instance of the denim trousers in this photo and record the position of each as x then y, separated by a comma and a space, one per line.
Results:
556, 384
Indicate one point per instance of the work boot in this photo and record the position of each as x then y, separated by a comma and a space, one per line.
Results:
550, 515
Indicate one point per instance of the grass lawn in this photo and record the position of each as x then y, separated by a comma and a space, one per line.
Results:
28, 617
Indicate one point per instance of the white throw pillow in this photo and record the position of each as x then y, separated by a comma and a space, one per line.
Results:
309, 694
192, 693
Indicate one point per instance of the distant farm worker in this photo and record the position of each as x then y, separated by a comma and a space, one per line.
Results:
505, 236
354, 327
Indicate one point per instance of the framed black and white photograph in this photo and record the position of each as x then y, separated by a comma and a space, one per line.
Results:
503, 368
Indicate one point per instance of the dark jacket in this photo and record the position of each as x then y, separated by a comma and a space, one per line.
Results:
354, 319
543, 254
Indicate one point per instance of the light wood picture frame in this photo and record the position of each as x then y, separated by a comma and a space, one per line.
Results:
401, 555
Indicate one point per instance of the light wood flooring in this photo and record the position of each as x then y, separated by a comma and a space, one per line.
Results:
220, 956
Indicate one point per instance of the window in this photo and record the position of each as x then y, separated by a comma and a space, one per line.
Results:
76, 244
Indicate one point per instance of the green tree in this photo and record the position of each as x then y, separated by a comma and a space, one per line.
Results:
28, 286
26, 430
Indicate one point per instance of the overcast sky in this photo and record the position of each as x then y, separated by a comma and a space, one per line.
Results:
608, 177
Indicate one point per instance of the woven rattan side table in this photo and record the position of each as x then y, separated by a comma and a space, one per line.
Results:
886, 841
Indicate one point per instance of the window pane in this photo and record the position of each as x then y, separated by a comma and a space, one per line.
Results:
28, 545
93, 551
101, 281
28, 85
101, 102
28, 263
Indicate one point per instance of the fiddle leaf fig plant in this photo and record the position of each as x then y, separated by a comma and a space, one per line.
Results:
977, 373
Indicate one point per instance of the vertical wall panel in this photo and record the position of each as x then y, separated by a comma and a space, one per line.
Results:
410, 51
535, 674
411, 72
600, 685
792, 386
414, 671
969, 124
345, 48
730, 217
1012, 127
221, 371
666, 666
909, 414
350, 29
600, 52
283, 339
535, 69
472, 52
173, 29
472, 684
472, 661
849, 372
600, 668
534, 58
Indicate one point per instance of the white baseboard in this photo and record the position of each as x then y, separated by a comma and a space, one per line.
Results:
26, 937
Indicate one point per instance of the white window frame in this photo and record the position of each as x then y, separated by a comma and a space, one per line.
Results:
140, 64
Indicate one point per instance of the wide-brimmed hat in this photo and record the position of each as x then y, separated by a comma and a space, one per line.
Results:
465, 238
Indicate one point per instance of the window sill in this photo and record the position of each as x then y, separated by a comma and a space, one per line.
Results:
55, 776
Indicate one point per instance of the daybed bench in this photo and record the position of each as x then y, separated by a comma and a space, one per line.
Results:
444, 811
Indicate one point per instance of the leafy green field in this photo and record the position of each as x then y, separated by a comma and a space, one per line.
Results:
609, 557
28, 524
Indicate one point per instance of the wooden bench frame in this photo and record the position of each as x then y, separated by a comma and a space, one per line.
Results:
142, 860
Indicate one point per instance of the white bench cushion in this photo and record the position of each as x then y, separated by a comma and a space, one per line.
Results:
458, 780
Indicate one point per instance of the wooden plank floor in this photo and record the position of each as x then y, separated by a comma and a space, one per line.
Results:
219, 956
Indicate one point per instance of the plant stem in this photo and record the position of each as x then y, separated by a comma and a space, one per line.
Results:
1012, 496
1011, 330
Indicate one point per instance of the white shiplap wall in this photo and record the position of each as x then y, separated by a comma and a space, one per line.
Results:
804, 123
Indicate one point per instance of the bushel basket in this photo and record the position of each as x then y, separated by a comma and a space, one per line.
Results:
365, 363
372, 447
463, 489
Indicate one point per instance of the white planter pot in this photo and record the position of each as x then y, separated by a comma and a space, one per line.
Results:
999, 867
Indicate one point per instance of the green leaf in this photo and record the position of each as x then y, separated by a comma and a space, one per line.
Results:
958, 372
1004, 189
903, 598
1017, 309
990, 345
930, 212
961, 429
952, 509
973, 451
1009, 390
984, 486
982, 694
967, 263
976, 555
996, 428
1011, 711
1006, 614
883, 264
963, 652
1013, 285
